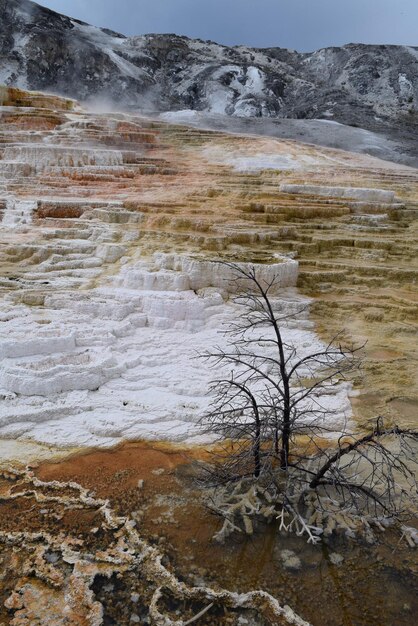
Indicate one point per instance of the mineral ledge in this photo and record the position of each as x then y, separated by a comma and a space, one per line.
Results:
109, 226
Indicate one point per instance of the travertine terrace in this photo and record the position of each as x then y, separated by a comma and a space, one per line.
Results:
108, 224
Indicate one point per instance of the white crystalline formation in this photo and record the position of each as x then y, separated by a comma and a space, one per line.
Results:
99, 339
18, 213
98, 366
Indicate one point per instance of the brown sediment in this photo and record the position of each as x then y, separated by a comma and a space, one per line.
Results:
12, 96
169, 511
101, 470
31, 121
372, 585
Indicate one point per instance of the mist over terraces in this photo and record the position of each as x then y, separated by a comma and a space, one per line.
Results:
368, 86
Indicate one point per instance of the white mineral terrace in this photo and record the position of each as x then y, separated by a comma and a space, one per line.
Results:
109, 229
94, 367
17, 213
356, 193
43, 156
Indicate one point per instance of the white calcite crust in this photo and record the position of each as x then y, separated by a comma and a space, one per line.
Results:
182, 273
355, 193
99, 366
18, 212
102, 318
41, 156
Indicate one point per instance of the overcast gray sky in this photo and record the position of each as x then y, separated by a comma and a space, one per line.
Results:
304, 25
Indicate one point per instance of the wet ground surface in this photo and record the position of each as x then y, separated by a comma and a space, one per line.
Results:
339, 582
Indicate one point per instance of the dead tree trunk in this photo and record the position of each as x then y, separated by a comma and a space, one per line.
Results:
265, 381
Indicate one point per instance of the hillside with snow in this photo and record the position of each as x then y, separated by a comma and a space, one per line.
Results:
368, 86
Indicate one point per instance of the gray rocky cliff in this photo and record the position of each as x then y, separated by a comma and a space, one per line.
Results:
370, 86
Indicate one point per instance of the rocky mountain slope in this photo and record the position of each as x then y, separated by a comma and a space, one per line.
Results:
375, 87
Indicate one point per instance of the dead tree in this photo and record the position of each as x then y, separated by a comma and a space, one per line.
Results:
268, 409
272, 393
372, 473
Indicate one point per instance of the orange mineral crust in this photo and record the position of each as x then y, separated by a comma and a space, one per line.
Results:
81, 556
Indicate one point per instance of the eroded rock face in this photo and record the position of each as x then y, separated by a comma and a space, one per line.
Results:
109, 227
354, 84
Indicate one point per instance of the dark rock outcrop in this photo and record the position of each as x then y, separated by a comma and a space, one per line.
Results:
374, 87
